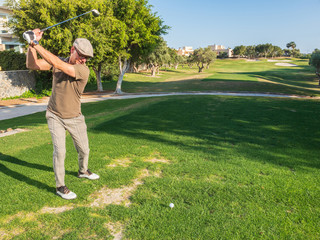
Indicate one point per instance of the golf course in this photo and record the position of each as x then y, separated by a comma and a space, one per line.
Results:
234, 167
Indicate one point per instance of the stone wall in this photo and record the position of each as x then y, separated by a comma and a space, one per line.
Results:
15, 83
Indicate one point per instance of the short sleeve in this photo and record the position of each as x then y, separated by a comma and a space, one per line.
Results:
82, 72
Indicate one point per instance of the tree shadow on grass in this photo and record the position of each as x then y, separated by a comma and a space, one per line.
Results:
20, 177
300, 76
274, 131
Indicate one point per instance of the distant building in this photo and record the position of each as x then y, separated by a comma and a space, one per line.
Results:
7, 39
185, 51
219, 49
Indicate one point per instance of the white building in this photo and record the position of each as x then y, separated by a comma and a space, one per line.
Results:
219, 49
185, 51
7, 39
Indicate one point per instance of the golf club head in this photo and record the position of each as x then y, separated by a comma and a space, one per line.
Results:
29, 36
95, 12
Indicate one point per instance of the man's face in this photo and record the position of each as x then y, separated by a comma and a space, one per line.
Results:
76, 57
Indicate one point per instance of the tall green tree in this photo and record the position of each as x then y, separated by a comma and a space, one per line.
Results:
315, 62
141, 30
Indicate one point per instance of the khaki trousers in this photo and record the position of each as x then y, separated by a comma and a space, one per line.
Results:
78, 131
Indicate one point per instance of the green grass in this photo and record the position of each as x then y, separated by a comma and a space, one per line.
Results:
226, 75
237, 168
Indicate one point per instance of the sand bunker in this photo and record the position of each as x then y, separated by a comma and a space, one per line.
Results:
286, 65
277, 60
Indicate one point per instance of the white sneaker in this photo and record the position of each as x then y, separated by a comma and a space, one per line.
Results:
88, 174
65, 193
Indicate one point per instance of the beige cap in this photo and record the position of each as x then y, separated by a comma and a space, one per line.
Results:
84, 47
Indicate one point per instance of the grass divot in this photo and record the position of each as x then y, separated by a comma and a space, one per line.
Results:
123, 162
116, 229
56, 210
118, 196
157, 160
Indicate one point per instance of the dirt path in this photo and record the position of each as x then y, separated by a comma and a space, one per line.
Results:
26, 101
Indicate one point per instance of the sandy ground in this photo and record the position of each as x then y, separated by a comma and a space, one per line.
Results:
27, 101
19, 101
286, 64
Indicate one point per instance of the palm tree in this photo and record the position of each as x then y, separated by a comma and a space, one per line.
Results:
291, 45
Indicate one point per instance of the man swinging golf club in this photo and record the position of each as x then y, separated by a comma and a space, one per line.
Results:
70, 77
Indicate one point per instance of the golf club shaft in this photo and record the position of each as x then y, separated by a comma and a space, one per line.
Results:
44, 29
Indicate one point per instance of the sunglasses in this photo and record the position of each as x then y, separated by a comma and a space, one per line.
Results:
80, 55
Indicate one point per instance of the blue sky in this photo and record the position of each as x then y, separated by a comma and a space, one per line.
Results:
199, 23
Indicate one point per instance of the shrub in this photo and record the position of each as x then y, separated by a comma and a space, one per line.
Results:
223, 55
11, 60
92, 77
110, 72
43, 83
305, 56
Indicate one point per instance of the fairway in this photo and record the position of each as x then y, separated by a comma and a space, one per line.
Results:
234, 167
232, 75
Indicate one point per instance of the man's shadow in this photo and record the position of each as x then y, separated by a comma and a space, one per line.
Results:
20, 177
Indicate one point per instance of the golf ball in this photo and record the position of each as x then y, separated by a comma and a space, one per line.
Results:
171, 205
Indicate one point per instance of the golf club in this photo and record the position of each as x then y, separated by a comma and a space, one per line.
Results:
30, 35
94, 13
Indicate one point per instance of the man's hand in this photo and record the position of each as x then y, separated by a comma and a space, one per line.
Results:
38, 34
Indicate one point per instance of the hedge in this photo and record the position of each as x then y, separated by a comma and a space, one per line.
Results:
11, 60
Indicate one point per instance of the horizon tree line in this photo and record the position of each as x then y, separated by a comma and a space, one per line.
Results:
266, 50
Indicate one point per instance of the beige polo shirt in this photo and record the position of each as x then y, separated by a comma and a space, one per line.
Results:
67, 91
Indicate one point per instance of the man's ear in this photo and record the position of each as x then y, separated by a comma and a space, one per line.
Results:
72, 49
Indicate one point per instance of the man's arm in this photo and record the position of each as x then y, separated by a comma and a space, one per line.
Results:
56, 62
34, 63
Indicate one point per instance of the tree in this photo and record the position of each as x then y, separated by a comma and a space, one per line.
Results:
264, 50
175, 59
250, 52
209, 56
202, 57
291, 45
315, 62
189, 60
141, 30
158, 56
296, 53
239, 51
223, 55
276, 51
